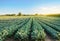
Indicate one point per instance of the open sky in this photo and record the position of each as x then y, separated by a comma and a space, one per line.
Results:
29, 6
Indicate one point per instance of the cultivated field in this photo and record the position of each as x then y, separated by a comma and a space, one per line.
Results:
29, 28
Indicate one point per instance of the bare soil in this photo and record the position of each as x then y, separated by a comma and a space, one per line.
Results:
48, 38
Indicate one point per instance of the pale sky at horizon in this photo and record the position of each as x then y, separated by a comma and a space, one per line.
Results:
29, 6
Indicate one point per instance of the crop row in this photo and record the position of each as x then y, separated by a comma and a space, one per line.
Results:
30, 29
9, 30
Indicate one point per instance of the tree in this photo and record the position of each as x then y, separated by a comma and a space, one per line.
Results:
36, 14
19, 14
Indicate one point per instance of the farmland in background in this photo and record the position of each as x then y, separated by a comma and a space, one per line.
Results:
30, 28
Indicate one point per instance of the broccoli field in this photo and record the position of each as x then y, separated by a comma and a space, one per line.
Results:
29, 28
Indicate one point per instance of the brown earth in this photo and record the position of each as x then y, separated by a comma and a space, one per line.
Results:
48, 38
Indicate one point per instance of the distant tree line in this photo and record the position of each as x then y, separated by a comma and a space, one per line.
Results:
36, 14
19, 14
9, 14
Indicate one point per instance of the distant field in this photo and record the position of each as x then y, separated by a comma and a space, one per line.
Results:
29, 28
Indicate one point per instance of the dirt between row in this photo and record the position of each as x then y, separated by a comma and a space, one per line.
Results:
48, 38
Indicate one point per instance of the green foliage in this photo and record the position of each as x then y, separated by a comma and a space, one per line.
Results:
37, 31
24, 31
33, 27
50, 30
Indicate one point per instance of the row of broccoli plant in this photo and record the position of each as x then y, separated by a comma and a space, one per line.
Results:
24, 31
9, 30
52, 32
51, 25
51, 21
38, 33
